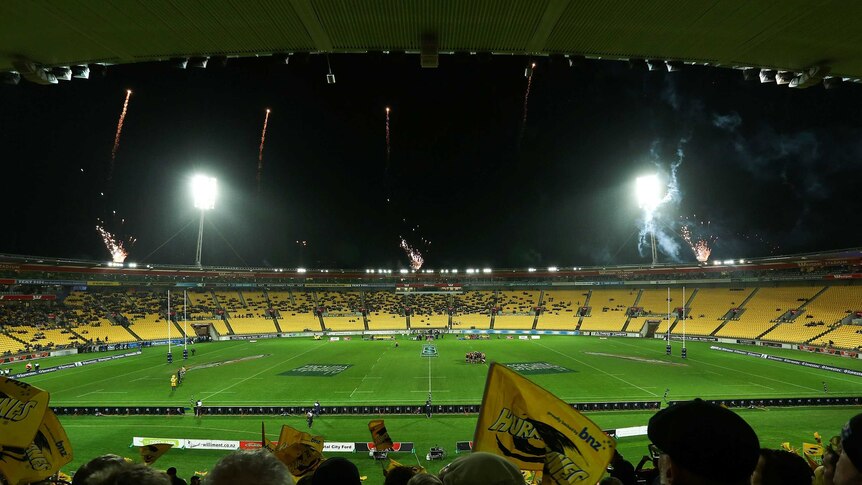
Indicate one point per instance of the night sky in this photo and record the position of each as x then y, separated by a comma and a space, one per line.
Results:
773, 170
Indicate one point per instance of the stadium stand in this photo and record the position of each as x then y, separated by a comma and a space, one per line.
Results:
251, 325
295, 311
709, 308
256, 304
385, 311
428, 311
516, 310
764, 308
472, 309
609, 310
229, 301
654, 305
560, 309
202, 305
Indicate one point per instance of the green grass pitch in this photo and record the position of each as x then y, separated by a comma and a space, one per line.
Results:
378, 373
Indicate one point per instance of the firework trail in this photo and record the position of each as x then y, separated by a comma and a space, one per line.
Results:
526, 100
260, 151
388, 143
416, 259
119, 132
115, 246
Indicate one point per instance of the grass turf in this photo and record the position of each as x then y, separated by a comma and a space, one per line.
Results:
246, 373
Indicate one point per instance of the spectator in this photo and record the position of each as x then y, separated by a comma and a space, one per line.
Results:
399, 475
702, 443
480, 467
825, 473
249, 468
195, 480
424, 479
847, 469
611, 481
98, 464
175, 480
127, 473
779, 467
336, 471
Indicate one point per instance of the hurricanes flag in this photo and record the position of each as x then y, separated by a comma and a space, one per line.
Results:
301, 452
811, 449
535, 430
379, 435
151, 453
47, 452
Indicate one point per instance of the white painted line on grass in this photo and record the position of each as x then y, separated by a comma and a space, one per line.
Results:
595, 368
88, 393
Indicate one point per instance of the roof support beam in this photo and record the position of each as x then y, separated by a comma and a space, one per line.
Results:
549, 20
311, 22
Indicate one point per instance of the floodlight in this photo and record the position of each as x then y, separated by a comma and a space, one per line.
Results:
553, 269
403, 271
486, 270
204, 192
648, 191
301, 270
81, 72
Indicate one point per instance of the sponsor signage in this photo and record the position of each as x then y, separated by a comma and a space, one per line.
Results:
252, 337
402, 446
530, 368
27, 297
72, 365
211, 445
144, 441
840, 370
693, 339
339, 447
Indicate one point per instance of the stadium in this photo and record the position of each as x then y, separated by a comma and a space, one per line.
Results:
180, 340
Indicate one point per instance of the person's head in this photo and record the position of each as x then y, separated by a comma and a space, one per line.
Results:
424, 479
399, 475
171, 471
611, 481
195, 480
849, 464
104, 462
258, 467
779, 467
126, 473
703, 444
336, 471
479, 467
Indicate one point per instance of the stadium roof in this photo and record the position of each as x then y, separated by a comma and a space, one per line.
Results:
793, 35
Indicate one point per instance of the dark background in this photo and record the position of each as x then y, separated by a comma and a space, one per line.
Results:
773, 170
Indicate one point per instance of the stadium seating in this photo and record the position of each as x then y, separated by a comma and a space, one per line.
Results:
560, 309
385, 311
764, 308
203, 305
608, 310
153, 327
252, 325
105, 331
229, 301
472, 309
8, 344
516, 310
296, 311
843, 336
654, 302
428, 310
708, 308
256, 304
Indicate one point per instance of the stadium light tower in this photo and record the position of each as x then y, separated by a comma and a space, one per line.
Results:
648, 191
204, 194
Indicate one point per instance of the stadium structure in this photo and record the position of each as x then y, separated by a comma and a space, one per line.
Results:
810, 302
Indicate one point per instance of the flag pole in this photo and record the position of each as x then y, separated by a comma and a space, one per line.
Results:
684, 351
170, 357
667, 348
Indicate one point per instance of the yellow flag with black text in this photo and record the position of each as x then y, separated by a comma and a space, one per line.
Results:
48, 450
379, 435
535, 430
299, 451
151, 453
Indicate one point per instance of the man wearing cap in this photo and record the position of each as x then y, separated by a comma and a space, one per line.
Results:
847, 470
703, 444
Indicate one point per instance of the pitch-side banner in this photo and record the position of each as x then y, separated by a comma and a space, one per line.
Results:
535, 430
190, 444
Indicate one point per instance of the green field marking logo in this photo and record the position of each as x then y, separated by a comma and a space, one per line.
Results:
318, 370
429, 350
530, 368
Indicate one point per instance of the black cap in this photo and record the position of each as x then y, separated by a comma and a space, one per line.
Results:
706, 439
851, 440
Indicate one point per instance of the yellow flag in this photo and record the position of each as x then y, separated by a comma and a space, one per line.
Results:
151, 453
786, 447
379, 435
535, 430
49, 450
299, 451
394, 464
811, 449
22, 408
264, 441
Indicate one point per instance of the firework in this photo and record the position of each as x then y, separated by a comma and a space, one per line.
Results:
115, 246
119, 131
700, 240
416, 259
260, 151
527, 99
388, 144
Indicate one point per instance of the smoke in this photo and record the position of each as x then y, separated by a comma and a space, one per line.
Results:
657, 221
729, 122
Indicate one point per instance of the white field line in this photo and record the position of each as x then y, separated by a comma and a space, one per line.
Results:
597, 369
209, 395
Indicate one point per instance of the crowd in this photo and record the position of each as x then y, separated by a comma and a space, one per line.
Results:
693, 443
